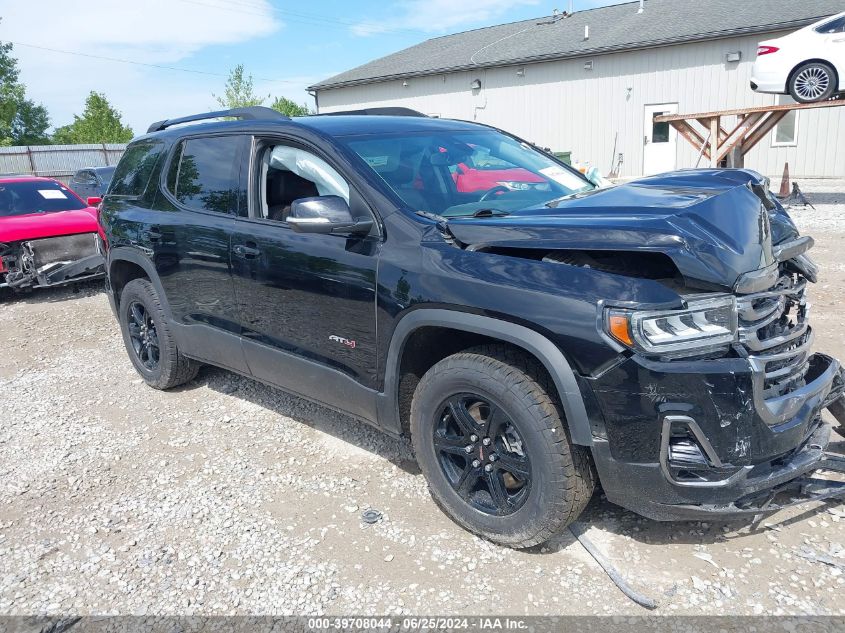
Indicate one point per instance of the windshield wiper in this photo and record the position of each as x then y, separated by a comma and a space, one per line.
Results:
489, 213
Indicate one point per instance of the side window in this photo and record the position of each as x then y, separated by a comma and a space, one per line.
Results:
837, 26
85, 178
289, 174
204, 173
133, 172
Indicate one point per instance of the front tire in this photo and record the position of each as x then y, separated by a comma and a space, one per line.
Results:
148, 339
490, 439
813, 82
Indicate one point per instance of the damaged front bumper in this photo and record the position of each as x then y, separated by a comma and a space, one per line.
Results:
694, 440
53, 261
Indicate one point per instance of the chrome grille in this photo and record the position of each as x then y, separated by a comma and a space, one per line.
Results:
774, 329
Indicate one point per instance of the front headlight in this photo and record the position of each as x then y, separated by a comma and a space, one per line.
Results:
518, 185
705, 325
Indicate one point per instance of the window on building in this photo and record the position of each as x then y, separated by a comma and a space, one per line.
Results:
202, 174
786, 131
660, 131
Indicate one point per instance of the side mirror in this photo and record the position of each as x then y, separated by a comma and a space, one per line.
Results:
325, 214
93, 201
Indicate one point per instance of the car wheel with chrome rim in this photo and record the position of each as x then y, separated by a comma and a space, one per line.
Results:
812, 82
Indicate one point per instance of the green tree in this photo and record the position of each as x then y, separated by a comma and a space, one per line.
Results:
289, 107
30, 124
99, 123
239, 92
22, 121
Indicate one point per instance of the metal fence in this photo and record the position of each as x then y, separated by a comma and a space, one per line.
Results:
57, 161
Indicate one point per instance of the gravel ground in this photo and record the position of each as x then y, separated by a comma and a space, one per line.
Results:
228, 497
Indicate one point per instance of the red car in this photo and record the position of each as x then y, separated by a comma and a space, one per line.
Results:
48, 235
482, 172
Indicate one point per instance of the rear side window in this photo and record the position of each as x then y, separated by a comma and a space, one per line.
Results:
204, 173
85, 178
133, 172
837, 26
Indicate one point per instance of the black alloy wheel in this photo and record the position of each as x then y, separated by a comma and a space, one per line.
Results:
149, 339
491, 440
143, 335
483, 455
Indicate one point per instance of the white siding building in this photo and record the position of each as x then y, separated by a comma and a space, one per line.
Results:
595, 97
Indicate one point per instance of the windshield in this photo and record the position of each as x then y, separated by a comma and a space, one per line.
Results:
36, 196
466, 174
105, 174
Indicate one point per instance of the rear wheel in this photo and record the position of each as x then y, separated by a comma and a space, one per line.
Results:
490, 438
148, 339
812, 82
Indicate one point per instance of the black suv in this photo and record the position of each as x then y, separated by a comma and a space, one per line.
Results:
534, 337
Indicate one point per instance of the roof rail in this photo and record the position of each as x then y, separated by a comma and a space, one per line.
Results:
390, 111
254, 113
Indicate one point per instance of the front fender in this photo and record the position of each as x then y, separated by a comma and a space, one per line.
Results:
532, 342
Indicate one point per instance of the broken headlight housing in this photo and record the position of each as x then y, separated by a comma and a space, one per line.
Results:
705, 325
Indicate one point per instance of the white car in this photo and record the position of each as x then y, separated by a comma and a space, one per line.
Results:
809, 64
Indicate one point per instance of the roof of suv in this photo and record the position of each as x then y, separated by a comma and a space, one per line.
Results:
347, 125
330, 124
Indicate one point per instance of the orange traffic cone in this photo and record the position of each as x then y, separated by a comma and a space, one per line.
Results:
785, 189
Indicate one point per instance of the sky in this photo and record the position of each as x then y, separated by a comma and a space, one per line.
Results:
286, 45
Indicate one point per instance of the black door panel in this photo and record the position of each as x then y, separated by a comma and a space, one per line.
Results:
191, 245
309, 295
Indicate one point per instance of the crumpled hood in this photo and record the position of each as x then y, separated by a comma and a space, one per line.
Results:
37, 225
711, 223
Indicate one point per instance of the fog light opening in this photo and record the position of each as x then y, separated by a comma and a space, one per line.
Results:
687, 457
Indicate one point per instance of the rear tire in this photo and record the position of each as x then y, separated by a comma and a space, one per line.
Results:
530, 481
148, 339
812, 82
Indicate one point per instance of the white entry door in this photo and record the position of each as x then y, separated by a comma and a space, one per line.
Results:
660, 151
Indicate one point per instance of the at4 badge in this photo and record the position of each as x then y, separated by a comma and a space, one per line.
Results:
344, 341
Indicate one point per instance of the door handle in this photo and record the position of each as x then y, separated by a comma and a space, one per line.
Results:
246, 251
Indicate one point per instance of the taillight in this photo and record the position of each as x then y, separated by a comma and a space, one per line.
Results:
766, 50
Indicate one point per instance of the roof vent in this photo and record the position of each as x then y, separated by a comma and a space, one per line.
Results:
586, 32
642, 6
557, 16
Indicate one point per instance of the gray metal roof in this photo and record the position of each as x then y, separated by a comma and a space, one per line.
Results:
614, 28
